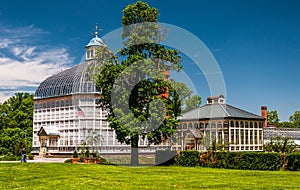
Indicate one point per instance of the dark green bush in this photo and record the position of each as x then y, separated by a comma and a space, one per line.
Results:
241, 160
293, 162
68, 161
165, 157
187, 158
30, 156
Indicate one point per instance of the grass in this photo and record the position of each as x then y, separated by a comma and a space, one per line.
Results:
92, 176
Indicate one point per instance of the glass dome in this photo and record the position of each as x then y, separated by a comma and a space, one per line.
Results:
78, 79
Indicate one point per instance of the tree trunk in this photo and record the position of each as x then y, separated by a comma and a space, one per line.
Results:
134, 151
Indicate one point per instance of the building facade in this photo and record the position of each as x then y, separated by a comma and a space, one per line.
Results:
234, 128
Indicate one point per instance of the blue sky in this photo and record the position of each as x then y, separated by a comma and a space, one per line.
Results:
255, 43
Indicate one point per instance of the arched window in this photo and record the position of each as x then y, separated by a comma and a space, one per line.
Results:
255, 124
184, 126
190, 125
62, 103
196, 125
231, 124
251, 124
57, 103
67, 103
246, 124
242, 124
237, 124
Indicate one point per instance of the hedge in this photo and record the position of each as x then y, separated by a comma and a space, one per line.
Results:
240, 160
165, 157
187, 158
293, 162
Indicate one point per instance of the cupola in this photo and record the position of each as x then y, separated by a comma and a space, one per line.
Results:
216, 99
92, 46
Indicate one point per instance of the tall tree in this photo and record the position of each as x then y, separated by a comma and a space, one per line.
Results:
295, 118
16, 116
273, 118
147, 106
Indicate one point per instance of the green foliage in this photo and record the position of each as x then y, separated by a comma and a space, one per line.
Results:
30, 156
241, 160
87, 153
273, 118
165, 157
187, 158
68, 161
141, 41
75, 154
286, 124
295, 118
10, 157
192, 102
187, 100
16, 116
293, 162
280, 144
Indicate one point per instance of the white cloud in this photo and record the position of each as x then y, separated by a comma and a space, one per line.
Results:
4, 42
24, 66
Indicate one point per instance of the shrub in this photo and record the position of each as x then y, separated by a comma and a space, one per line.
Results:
75, 154
10, 158
68, 161
30, 156
187, 158
165, 157
293, 162
87, 153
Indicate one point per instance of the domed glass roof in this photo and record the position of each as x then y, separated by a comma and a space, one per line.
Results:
77, 79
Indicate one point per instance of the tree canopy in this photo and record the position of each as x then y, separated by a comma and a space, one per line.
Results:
295, 118
273, 118
140, 101
16, 117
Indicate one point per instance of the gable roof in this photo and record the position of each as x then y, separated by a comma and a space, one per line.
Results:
195, 132
217, 110
48, 131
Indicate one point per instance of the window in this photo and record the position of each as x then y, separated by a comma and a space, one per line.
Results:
251, 137
242, 136
237, 136
246, 136
232, 136
242, 124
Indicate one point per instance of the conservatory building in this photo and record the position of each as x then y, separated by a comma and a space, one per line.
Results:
66, 115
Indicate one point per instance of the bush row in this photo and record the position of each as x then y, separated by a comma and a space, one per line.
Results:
240, 160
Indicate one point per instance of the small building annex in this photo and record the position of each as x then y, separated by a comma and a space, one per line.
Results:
236, 129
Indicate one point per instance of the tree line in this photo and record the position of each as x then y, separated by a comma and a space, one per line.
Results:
273, 120
16, 117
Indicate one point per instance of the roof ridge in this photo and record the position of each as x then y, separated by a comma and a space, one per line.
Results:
221, 105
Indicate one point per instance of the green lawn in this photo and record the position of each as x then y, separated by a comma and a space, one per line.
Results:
90, 176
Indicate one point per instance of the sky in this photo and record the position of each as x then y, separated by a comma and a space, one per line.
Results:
255, 43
